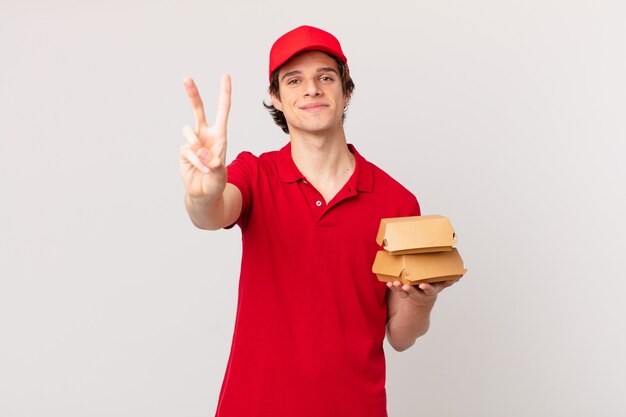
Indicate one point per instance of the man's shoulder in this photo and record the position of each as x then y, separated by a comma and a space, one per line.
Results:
383, 180
263, 156
265, 164
396, 199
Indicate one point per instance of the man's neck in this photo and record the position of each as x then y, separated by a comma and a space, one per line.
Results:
324, 160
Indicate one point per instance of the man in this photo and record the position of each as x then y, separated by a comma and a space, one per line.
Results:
311, 316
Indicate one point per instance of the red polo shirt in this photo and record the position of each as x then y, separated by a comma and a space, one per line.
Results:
311, 316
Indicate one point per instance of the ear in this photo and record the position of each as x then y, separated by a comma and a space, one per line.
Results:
346, 97
276, 102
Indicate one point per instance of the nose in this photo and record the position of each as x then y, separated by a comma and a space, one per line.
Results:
311, 88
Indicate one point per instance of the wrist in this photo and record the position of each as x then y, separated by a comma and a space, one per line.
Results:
203, 201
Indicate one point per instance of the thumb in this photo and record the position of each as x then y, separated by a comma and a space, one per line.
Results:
214, 163
204, 154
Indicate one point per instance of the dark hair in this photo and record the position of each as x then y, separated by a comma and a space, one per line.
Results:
347, 86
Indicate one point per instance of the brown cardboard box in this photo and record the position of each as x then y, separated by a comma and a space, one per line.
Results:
417, 234
417, 268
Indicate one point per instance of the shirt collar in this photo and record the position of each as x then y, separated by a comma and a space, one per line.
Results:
362, 171
287, 169
289, 172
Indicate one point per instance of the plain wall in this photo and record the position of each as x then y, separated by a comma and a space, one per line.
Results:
506, 116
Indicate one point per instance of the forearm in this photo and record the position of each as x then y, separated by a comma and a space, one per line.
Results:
410, 322
212, 213
206, 213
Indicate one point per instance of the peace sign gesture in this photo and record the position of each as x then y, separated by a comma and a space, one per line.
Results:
203, 156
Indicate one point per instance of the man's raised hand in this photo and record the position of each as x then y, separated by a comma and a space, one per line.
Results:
203, 156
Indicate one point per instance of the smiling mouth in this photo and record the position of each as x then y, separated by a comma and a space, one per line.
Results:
314, 107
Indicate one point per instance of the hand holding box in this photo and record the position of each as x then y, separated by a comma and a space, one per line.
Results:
417, 249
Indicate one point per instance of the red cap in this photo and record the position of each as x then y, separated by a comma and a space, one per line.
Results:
303, 38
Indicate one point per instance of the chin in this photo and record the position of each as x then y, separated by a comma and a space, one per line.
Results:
320, 128
322, 125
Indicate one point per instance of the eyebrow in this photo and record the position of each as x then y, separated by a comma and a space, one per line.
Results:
321, 69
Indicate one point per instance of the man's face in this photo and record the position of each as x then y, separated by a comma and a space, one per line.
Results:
311, 97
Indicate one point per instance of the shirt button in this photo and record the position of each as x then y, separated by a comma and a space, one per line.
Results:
318, 203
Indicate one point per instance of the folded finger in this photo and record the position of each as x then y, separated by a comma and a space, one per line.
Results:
190, 137
195, 160
397, 287
410, 290
427, 289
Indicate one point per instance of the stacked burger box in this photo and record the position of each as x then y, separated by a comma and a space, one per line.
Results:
417, 249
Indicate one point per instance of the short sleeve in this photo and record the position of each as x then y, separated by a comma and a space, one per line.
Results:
242, 173
410, 206
415, 207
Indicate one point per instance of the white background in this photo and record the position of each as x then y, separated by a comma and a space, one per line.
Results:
505, 116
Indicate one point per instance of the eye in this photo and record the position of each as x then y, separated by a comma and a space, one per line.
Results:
326, 78
293, 81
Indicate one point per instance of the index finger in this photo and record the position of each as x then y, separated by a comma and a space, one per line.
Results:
196, 102
223, 105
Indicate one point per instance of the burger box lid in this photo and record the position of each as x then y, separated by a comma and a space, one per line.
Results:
418, 267
416, 234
